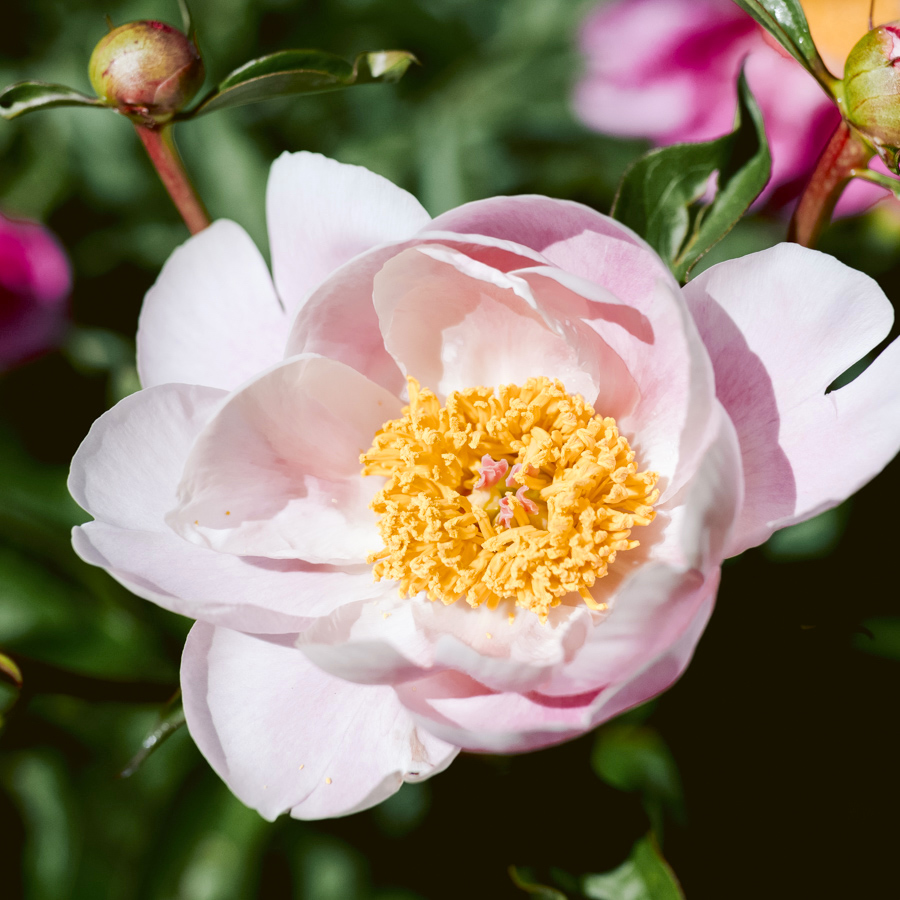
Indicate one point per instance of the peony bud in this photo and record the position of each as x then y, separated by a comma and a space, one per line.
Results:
35, 280
871, 91
147, 70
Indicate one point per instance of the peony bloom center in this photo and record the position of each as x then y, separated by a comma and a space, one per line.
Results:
520, 495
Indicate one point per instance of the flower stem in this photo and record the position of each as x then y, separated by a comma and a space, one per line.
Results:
160, 147
844, 153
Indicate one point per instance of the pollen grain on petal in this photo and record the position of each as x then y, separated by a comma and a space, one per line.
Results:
521, 494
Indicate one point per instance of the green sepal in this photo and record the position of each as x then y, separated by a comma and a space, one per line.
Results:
187, 25
786, 22
645, 875
28, 96
660, 196
300, 72
879, 178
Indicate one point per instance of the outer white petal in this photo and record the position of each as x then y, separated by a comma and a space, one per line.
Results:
126, 473
780, 327
260, 596
284, 736
212, 318
127, 468
276, 472
322, 213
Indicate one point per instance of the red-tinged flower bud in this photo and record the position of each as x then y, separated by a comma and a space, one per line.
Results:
871, 91
147, 70
35, 280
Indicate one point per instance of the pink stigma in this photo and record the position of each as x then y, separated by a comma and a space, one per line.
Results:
528, 505
505, 516
491, 471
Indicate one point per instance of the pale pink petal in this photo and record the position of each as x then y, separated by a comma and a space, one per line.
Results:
454, 323
394, 639
127, 468
780, 327
486, 721
284, 736
322, 213
126, 473
339, 320
261, 596
212, 318
276, 472
673, 420
547, 226
457, 708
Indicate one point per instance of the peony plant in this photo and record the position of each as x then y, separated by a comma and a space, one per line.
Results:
463, 482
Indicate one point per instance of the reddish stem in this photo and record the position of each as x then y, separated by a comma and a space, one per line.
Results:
160, 147
843, 153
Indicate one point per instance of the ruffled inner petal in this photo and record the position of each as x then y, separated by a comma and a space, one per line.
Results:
276, 472
453, 322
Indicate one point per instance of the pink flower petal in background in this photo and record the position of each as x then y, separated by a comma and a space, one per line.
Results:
35, 280
667, 70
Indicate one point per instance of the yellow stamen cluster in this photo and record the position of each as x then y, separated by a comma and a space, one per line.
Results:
438, 532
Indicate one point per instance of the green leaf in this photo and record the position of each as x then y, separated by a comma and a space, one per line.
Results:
881, 637
660, 195
300, 72
813, 539
39, 786
786, 22
10, 670
28, 96
645, 875
523, 879
636, 758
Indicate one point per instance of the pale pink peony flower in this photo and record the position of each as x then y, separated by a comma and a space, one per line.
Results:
667, 70
230, 489
35, 280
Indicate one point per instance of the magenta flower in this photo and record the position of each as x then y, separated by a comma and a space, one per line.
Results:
667, 70
459, 483
35, 280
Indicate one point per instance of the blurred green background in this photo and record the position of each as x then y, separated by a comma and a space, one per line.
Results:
768, 771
